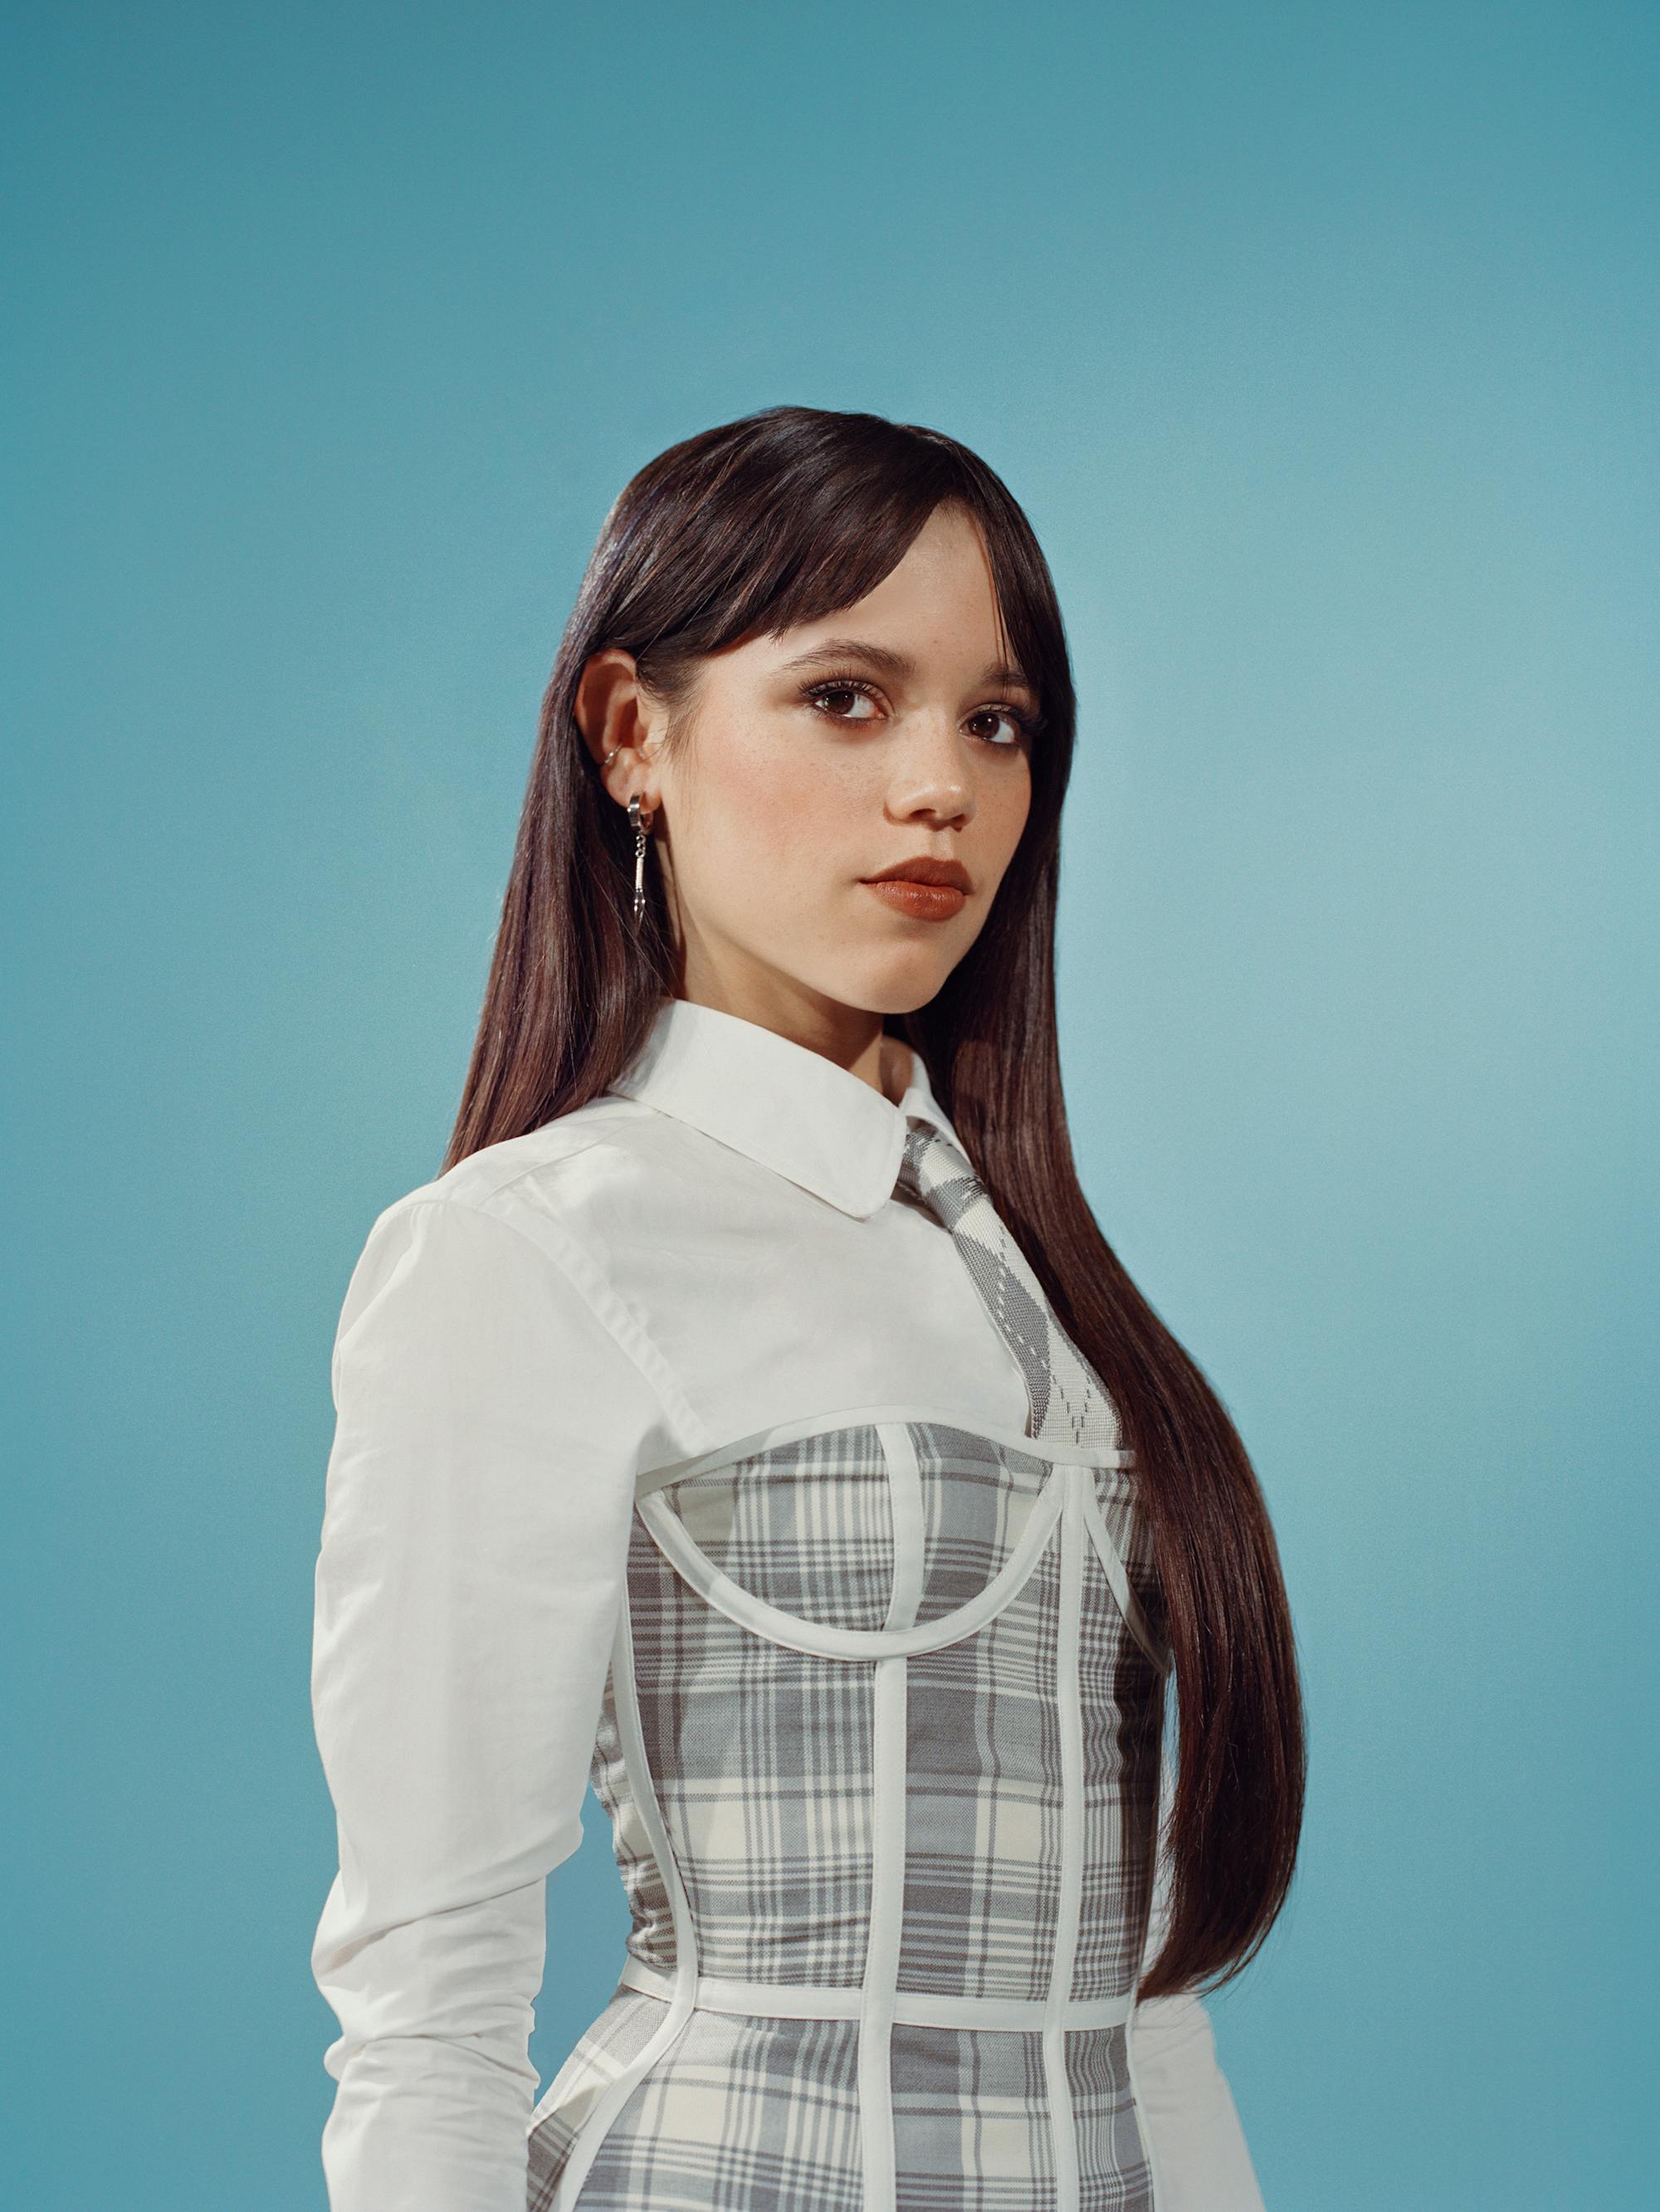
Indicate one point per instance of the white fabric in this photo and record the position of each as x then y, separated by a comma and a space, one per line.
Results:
710, 1249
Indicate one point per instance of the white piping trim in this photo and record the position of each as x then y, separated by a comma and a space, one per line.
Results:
911, 2007
1143, 2130
909, 1524
681, 1990
889, 1792
889, 1813
859, 1416
1069, 1699
1128, 1604
826, 1640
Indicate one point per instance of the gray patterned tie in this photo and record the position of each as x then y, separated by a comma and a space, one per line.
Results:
1067, 1401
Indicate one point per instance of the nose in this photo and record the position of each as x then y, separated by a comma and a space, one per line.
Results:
931, 776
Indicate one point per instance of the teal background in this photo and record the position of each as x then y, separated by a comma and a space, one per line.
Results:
1319, 342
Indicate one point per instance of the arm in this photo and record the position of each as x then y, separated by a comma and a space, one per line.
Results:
1199, 2159
472, 1566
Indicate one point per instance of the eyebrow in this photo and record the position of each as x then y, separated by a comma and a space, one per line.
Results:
899, 665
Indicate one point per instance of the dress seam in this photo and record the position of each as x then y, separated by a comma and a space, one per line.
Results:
620, 1321
590, 2138
1068, 1703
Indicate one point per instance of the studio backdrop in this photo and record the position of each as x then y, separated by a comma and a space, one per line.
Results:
1318, 343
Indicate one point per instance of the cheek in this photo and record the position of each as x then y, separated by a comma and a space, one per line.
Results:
765, 814
1004, 806
1013, 815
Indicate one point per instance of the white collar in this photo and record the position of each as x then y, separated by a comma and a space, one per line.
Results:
779, 1101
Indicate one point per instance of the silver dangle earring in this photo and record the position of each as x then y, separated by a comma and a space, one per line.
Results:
639, 829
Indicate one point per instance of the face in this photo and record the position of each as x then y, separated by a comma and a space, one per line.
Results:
885, 732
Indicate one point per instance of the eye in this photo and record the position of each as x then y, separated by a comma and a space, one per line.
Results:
835, 690
1023, 727
834, 696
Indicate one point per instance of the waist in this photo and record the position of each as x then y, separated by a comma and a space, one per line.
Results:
905, 2007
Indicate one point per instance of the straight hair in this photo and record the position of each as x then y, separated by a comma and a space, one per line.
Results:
779, 518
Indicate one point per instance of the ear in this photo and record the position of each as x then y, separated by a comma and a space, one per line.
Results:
610, 713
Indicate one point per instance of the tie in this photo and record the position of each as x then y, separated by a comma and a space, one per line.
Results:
1068, 1404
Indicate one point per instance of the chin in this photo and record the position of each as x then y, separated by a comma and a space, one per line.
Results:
896, 985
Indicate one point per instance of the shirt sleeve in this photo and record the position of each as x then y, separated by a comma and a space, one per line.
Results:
1197, 2147
472, 1568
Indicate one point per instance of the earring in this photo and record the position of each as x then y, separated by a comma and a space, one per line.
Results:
639, 829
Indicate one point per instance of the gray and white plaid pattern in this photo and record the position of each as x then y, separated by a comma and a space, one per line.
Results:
751, 1784
1067, 1402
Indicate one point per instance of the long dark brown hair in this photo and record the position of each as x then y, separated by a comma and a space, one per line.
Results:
780, 518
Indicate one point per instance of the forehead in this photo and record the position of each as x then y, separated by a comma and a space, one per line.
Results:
935, 611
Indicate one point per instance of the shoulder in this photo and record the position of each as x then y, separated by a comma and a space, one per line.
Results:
564, 1188
484, 1286
520, 1234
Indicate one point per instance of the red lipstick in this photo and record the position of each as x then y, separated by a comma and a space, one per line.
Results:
928, 890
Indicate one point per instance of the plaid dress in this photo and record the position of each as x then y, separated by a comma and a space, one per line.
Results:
879, 1744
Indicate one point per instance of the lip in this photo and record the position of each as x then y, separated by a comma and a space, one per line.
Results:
925, 889
923, 868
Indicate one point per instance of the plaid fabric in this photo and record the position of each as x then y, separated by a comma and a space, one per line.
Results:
872, 1848
753, 2112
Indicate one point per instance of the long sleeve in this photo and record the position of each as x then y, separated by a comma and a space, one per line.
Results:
1201, 2162
472, 1566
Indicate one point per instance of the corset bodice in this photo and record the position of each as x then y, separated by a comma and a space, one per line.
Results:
879, 1744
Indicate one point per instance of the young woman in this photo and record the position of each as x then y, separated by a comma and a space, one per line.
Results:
752, 1416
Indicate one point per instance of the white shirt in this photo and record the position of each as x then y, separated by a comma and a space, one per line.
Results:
673, 1268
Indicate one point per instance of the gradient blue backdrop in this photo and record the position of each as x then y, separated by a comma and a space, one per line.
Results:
1319, 342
